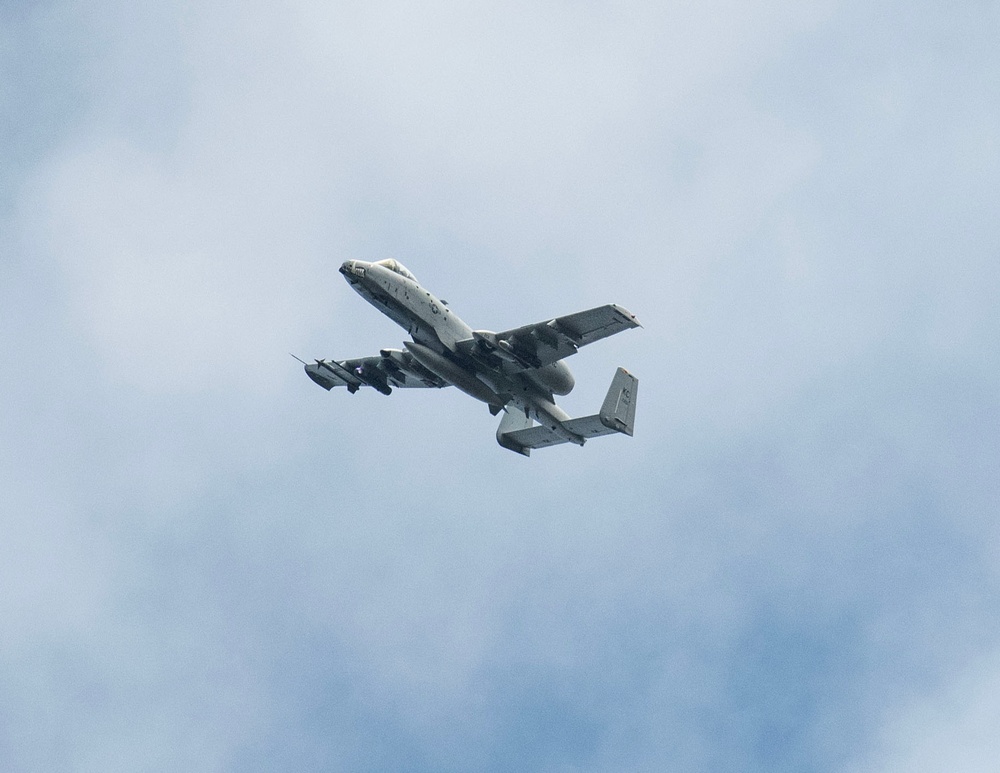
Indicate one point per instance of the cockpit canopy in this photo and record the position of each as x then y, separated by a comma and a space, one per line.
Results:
395, 265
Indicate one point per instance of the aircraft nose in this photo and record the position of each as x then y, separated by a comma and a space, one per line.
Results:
354, 270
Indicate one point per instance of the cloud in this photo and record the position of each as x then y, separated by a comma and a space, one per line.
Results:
194, 239
950, 727
213, 564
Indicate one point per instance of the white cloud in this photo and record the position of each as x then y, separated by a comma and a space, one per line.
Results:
174, 283
952, 728
192, 242
321, 577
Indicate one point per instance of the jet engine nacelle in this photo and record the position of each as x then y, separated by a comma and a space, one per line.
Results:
556, 377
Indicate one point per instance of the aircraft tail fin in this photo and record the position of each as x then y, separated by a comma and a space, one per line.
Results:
617, 413
513, 424
519, 433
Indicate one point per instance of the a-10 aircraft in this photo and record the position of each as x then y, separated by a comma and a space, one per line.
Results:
517, 371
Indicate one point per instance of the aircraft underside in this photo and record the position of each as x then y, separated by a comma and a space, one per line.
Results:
517, 371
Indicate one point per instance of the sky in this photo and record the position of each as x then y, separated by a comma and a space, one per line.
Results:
207, 563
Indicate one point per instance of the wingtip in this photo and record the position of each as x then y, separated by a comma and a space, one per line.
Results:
631, 317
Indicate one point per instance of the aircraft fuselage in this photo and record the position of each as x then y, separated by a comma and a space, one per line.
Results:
490, 371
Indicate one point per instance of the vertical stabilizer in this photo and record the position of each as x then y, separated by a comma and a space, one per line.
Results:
514, 420
618, 411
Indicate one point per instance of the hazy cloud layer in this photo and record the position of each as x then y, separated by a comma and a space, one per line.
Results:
210, 564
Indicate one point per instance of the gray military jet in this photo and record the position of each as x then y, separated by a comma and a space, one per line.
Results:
517, 371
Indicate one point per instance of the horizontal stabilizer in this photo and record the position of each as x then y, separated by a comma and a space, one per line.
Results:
519, 433
524, 440
588, 427
617, 413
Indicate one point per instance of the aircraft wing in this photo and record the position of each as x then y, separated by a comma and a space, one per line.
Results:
391, 368
534, 346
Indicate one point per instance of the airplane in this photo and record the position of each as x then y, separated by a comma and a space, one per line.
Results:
516, 371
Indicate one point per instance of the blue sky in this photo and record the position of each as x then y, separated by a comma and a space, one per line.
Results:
208, 563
